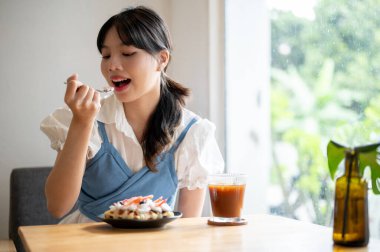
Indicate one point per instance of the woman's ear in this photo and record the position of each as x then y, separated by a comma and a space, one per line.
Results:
163, 59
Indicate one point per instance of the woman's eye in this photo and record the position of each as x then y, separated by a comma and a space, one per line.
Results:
105, 56
128, 54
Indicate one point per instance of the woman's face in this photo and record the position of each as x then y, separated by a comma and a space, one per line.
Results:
133, 72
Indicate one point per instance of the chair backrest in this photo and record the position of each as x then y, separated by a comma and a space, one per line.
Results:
27, 201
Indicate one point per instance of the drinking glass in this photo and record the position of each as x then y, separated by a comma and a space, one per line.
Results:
227, 198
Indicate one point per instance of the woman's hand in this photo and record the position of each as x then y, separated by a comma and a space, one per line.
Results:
83, 100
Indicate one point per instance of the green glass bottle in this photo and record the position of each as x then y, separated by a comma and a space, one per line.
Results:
351, 226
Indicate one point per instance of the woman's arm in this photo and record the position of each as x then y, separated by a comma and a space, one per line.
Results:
197, 156
190, 202
64, 181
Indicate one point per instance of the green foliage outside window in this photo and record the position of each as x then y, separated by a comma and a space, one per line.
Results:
328, 80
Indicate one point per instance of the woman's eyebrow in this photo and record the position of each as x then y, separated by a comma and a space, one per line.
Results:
104, 47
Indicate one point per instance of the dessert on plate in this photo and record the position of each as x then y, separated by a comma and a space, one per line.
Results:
139, 208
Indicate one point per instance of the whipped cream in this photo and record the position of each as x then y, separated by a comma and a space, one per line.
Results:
141, 208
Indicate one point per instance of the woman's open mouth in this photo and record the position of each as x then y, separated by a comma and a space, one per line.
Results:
121, 84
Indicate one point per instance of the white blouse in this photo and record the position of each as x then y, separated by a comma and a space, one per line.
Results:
197, 155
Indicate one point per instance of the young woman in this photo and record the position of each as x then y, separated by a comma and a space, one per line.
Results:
138, 141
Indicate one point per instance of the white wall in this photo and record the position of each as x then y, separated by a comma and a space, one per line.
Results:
44, 41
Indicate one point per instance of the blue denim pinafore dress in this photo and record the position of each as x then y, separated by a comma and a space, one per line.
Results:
108, 179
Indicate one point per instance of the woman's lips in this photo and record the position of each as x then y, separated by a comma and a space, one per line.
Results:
121, 88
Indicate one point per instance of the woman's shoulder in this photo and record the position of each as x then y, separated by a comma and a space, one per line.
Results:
56, 127
62, 116
200, 123
200, 128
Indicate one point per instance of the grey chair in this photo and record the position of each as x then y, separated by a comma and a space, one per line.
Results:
27, 201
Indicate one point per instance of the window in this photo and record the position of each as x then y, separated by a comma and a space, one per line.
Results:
318, 80
247, 97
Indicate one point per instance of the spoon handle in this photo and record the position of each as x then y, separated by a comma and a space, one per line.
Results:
102, 90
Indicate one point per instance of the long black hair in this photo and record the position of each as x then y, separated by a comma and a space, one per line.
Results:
143, 28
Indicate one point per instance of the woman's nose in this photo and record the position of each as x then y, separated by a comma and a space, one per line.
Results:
114, 64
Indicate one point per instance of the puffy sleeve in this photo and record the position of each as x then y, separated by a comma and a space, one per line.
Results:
56, 126
198, 155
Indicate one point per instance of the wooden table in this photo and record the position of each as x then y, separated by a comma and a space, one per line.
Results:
263, 233
7, 246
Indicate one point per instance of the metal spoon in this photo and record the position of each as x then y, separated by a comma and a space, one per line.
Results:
104, 90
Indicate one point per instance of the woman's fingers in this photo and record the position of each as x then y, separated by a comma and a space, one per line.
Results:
72, 89
72, 85
82, 99
96, 100
89, 97
81, 93
72, 77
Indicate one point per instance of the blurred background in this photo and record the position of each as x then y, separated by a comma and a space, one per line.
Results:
279, 78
